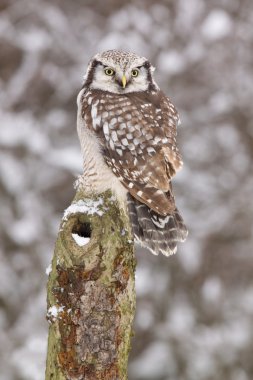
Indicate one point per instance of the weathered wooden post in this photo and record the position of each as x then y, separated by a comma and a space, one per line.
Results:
91, 292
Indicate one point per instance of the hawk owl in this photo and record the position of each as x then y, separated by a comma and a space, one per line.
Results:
127, 130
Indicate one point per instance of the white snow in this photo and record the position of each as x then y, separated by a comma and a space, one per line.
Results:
54, 310
25, 230
182, 317
217, 25
28, 359
212, 290
145, 318
156, 359
22, 129
12, 173
86, 206
57, 118
190, 257
80, 240
34, 39
68, 158
49, 269
171, 62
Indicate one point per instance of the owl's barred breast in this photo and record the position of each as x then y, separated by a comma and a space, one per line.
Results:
97, 176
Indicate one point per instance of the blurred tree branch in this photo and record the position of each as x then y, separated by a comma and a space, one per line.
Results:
91, 293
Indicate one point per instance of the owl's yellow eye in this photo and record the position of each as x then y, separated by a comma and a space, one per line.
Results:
135, 73
109, 71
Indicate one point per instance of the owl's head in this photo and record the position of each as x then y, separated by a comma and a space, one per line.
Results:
119, 72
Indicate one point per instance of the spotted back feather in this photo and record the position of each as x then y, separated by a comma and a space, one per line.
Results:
138, 139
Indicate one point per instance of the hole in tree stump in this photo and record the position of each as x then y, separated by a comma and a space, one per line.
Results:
81, 233
82, 229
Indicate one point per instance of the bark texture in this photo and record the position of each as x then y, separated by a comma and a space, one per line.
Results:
91, 293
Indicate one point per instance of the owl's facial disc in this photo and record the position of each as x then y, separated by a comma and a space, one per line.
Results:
120, 80
120, 72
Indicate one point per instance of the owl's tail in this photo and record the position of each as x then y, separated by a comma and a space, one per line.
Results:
158, 233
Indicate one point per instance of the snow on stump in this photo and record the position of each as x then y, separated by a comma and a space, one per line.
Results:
91, 292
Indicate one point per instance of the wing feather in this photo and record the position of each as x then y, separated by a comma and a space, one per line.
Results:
137, 132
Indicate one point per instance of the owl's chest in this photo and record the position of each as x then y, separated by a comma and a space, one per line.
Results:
93, 161
97, 176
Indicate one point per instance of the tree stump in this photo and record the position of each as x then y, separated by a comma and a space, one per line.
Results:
91, 292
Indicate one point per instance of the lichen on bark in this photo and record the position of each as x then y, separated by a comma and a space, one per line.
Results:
91, 293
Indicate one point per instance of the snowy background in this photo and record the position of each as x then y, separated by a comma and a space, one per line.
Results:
195, 310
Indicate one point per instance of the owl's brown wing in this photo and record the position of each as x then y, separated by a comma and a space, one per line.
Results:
137, 132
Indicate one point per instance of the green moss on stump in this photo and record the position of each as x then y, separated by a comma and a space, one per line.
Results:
93, 289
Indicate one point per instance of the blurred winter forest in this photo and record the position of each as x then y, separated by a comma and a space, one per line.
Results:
194, 316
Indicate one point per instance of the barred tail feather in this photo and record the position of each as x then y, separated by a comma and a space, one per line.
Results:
158, 233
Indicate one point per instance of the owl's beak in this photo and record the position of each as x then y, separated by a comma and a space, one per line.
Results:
124, 81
